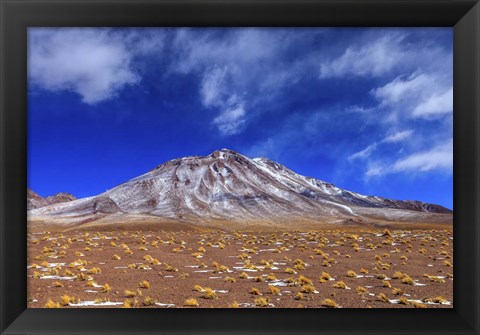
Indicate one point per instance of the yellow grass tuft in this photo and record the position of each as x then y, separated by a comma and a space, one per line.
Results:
340, 285
329, 303
234, 305
408, 280
105, 288
51, 304
144, 284
274, 290
255, 291
261, 302
307, 288
129, 294
383, 297
191, 302
57, 284
361, 290
209, 293
351, 274
116, 257
148, 301
386, 284
230, 280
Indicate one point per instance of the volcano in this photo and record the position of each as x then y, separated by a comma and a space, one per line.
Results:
227, 186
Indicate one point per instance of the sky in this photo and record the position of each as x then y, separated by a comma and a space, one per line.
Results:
367, 109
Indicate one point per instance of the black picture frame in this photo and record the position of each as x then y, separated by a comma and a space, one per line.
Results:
16, 16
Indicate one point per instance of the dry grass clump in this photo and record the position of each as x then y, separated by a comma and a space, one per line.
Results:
408, 280
51, 304
340, 285
66, 300
261, 302
299, 296
397, 291
129, 294
325, 277
398, 275
243, 275
418, 305
386, 284
383, 297
274, 290
447, 263
290, 271
234, 305
148, 301
361, 290
351, 274
255, 291
191, 302
307, 288
57, 284
436, 300
304, 280
209, 293
230, 280
105, 288
116, 257
329, 303
144, 284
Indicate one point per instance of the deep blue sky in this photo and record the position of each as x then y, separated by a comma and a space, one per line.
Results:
369, 110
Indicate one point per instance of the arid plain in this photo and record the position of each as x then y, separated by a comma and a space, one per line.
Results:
346, 267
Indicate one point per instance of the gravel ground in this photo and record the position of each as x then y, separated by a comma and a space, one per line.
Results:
396, 269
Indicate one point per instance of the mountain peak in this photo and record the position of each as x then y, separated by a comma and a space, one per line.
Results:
223, 153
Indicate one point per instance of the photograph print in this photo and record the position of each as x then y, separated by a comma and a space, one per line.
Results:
240, 168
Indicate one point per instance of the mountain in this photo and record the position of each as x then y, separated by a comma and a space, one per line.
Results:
35, 200
228, 186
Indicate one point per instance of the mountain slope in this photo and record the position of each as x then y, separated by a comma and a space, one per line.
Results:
35, 200
229, 186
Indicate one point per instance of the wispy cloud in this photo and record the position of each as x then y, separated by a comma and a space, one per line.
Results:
398, 136
364, 153
374, 58
438, 158
436, 105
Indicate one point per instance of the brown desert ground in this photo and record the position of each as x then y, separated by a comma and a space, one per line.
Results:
180, 265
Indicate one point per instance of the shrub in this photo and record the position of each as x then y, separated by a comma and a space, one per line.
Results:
361, 290
51, 304
329, 303
148, 301
340, 285
351, 274
209, 293
307, 288
144, 284
255, 291
191, 302
408, 280
129, 294
105, 288
261, 302
383, 297
274, 290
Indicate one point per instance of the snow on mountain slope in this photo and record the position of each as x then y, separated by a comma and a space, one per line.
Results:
228, 185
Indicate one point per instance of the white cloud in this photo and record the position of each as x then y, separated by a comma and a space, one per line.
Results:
83, 61
398, 136
437, 104
231, 121
94, 63
438, 158
372, 59
363, 153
